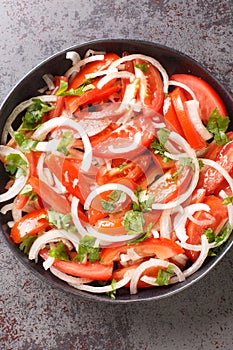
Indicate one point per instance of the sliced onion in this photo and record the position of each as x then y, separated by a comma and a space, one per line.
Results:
47, 146
48, 78
199, 262
20, 108
100, 73
165, 223
183, 86
76, 68
91, 52
20, 182
6, 208
153, 61
104, 289
115, 75
73, 56
152, 263
75, 218
191, 154
48, 262
53, 235
67, 278
45, 128
192, 108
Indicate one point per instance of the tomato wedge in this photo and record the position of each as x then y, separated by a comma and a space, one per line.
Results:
192, 136
151, 85
205, 94
216, 217
94, 271
163, 248
170, 116
30, 224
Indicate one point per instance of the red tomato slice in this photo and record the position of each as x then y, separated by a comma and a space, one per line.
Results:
192, 136
217, 214
151, 85
30, 224
49, 196
205, 94
163, 248
131, 169
210, 178
170, 116
95, 271
123, 137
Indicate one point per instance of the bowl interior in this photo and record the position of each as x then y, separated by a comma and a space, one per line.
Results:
174, 62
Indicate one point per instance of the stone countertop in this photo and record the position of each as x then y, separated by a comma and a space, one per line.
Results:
36, 316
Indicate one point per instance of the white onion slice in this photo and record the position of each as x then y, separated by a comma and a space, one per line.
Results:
165, 223
183, 86
131, 147
67, 278
191, 154
20, 108
153, 61
48, 262
6, 208
20, 182
103, 237
100, 73
104, 289
75, 218
192, 108
152, 263
53, 235
109, 187
45, 128
76, 68
73, 56
115, 75
48, 78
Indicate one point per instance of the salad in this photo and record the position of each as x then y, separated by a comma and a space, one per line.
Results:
119, 175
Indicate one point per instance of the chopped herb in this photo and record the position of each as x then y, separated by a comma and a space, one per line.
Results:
35, 113
112, 294
25, 144
227, 200
144, 236
87, 248
145, 200
27, 191
116, 197
121, 166
201, 164
133, 222
157, 145
62, 88
209, 234
15, 165
66, 140
164, 276
26, 243
184, 162
218, 125
59, 252
61, 221
141, 66
75, 92
217, 239
163, 135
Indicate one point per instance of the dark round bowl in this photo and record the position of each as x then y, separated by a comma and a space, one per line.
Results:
174, 62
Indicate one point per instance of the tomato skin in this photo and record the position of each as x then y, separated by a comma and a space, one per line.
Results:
192, 136
170, 116
151, 86
163, 248
217, 215
94, 271
210, 179
205, 94
49, 196
30, 224
133, 170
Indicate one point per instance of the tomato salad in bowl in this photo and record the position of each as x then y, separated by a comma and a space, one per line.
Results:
120, 174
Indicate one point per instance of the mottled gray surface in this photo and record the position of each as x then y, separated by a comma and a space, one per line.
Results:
35, 316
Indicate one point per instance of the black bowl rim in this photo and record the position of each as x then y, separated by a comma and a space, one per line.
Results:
53, 281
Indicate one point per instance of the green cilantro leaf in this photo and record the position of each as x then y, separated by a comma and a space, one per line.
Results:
218, 125
112, 294
15, 165
26, 243
209, 234
34, 114
141, 66
76, 92
25, 144
227, 200
145, 200
143, 237
183, 162
61, 221
218, 239
164, 276
116, 197
62, 88
87, 248
157, 145
133, 222
66, 140
59, 252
